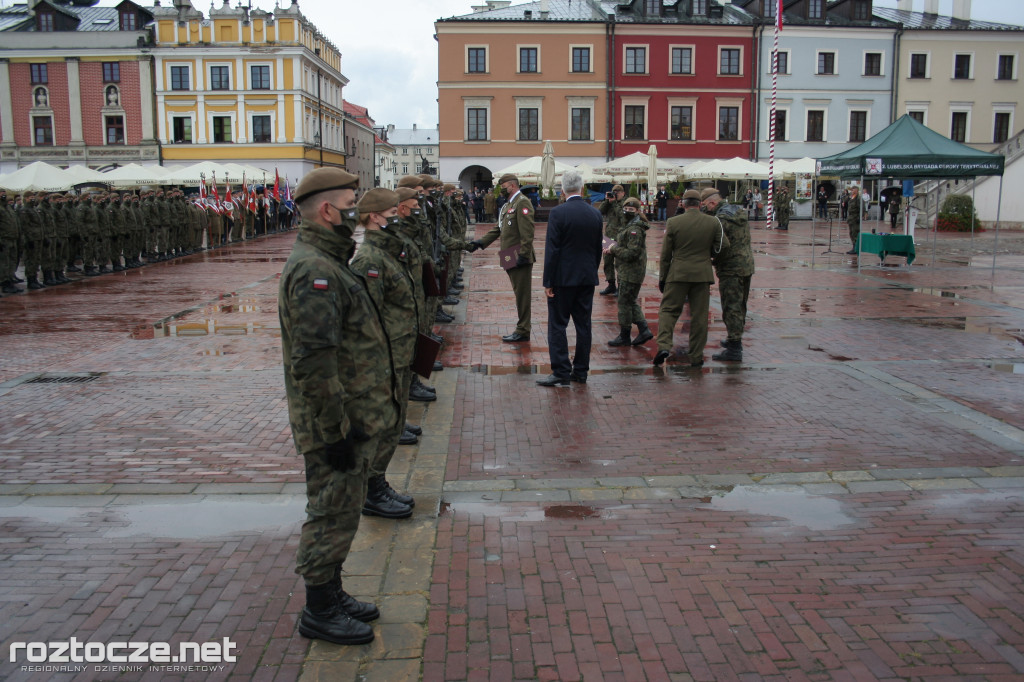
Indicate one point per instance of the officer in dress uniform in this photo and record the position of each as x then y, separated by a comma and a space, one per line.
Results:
515, 228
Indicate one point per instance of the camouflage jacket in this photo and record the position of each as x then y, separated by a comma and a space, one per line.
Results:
615, 217
88, 222
736, 260
383, 260
31, 223
338, 371
8, 226
631, 251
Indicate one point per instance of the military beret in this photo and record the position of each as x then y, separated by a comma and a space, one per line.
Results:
427, 180
377, 200
448, 187
618, 188
411, 181
324, 180
691, 194
405, 193
632, 201
508, 177
708, 192
855, 188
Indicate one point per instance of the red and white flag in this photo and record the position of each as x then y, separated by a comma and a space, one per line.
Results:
277, 185
216, 196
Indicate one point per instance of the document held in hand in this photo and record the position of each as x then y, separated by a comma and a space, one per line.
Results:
510, 256
426, 353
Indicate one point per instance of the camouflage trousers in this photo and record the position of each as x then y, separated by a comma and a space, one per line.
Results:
734, 291
389, 439
334, 502
609, 267
629, 310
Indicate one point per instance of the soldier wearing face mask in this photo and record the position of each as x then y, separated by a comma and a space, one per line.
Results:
32, 234
383, 260
340, 384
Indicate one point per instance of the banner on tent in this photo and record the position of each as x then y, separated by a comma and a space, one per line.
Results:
804, 186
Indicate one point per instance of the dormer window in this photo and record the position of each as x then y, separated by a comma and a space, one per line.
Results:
129, 21
768, 8
698, 8
652, 8
861, 10
45, 21
814, 9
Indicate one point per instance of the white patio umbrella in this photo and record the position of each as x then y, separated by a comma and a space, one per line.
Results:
698, 170
547, 167
586, 171
528, 170
652, 168
134, 175
84, 174
790, 168
634, 168
38, 177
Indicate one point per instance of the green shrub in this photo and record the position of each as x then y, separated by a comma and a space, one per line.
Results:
957, 215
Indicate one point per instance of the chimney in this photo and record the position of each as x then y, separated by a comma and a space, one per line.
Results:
543, 9
962, 9
931, 6
905, 5
414, 126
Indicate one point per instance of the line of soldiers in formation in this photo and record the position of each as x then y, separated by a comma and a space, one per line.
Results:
108, 231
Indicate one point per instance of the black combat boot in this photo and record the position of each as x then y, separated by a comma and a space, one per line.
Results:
33, 283
450, 300
324, 618
91, 271
48, 279
622, 339
442, 317
9, 288
610, 289
61, 277
645, 334
360, 610
414, 429
379, 503
417, 382
401, 498
408, 438
733, 352
420, 394
73, 268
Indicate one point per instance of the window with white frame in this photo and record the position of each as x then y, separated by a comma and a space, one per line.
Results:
858, 126
962, 67
1001, 127
581, 118
476, 124
262, 128
815, 125
728, 122
528, 59
636, 59
634, 122
1006, 67
826, 63
682, 60
873, 64
222, 129
580, 55
959, 125
181, 129
729, 59
681, 123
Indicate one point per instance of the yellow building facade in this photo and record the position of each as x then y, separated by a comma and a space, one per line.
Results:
255, 87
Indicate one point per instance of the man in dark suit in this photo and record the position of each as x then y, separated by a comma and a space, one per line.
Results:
572, 255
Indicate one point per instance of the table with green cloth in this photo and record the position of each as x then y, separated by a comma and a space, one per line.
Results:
888, 245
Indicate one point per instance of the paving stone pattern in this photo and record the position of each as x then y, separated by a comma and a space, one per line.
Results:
845, 505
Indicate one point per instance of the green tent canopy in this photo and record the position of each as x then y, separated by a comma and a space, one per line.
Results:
907, 149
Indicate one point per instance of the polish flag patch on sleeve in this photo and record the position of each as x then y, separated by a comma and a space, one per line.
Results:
320, 284
525, 211
373, 273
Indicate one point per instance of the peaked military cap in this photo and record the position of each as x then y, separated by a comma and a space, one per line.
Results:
708, 192
324, 180
691, 194
508, 177
618, 188
632, 201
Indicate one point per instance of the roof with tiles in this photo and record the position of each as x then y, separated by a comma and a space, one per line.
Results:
921, 21
720, 12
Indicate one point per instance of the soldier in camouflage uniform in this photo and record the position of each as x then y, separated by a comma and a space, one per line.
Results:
32, 230
340, 385
734, 265
409, 227
611, 209
383, 260
86, 215
9, 238
101, 244
69, 207
853, 218
782, 208
115, 221
630, 253
60, 247
150, 219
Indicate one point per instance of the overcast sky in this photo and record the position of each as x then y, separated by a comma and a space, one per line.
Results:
389, 53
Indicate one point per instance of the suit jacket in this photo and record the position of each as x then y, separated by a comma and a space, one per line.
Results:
690, 241
515, 226
572, 249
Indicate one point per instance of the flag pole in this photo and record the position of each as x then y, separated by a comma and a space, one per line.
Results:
770, 204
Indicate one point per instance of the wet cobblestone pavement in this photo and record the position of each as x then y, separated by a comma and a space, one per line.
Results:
847, 504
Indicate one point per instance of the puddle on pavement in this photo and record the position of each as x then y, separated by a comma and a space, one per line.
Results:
646, 369
570, 511
206, 518
209, 327
959, 324
793, 504
1008, 367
